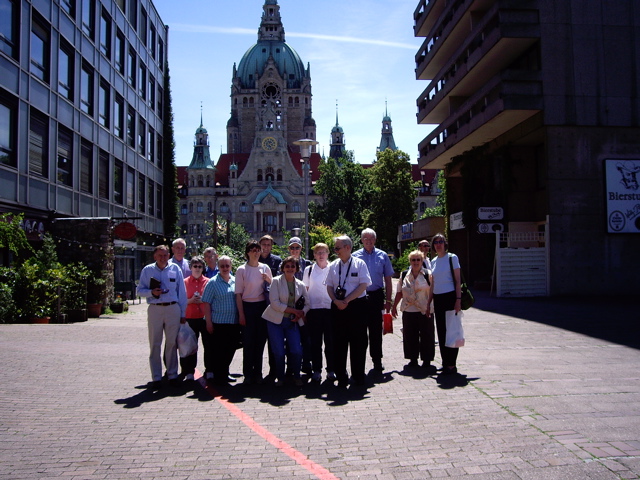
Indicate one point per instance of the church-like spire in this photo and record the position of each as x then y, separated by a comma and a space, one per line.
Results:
337, 139
271, 27
387, 132
201, 156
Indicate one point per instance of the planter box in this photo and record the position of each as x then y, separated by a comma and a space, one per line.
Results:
77, 315
117, 307
94, 310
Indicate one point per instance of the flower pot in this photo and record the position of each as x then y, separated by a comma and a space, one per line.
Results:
94, 310
40, 319
117, 307
77, 315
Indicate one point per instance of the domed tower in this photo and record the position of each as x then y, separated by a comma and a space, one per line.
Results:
387, 133
337, 139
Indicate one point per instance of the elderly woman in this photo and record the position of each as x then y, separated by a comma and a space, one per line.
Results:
284, 317
195, 285
417, 323
446, 295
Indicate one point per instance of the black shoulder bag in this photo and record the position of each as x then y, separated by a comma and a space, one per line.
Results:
467, 299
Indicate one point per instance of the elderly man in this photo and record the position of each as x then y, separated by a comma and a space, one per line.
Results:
179, 249
162, 284
295, 250
424, 247
379, 292
347, 282
268, 258
211, 257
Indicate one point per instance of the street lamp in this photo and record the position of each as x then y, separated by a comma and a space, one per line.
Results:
305, 145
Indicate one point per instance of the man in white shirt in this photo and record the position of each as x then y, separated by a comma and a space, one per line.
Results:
179, 249
347, 282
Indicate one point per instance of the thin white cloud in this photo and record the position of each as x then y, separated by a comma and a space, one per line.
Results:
182, 27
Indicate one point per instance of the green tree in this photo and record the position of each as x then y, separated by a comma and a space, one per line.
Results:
12, 235
169, 170
394, 196
441, 201
345, 189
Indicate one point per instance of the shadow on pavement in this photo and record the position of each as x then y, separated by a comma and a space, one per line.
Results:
613, 319
148, 395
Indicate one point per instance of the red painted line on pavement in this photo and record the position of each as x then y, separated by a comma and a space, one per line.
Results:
301, 459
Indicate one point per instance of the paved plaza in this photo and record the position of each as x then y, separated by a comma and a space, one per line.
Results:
549, 389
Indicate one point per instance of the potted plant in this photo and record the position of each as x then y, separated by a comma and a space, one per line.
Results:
74, 292
119, 305
95, 295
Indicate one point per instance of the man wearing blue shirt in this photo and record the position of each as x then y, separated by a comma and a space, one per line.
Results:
162, 284
378, 292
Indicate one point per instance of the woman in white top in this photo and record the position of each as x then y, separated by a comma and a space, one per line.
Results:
417, 323
251, 302
319, 317
446, 295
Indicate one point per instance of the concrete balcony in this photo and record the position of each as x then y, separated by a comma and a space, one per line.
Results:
504, 102
425, 16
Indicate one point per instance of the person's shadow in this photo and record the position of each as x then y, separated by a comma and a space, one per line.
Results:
147, 394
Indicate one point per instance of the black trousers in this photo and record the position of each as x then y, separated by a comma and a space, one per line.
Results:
188, 364
418, 336
375, 305
441, 303
350, 336
224, 342
319, 325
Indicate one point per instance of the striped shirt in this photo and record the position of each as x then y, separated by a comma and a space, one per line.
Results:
221, 297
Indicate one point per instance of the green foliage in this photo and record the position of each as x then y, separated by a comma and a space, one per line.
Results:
393, 200
441, 201
237, 257
12, 235
7, 288
169, 169
342, 227
232, 235
345, 188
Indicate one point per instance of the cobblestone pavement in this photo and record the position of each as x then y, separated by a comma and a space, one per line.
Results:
549, 389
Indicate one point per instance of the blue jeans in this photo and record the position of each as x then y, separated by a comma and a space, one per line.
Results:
290, 332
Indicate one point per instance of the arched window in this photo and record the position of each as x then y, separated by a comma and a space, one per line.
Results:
200, 181
245, 100
191, 207
290, 101
200, 207
269, 176
251, 101
224, 208
296, 206
209, 207
297, 101
279, 175
244, 207
208, 181
184, 209
259, 175
269, 222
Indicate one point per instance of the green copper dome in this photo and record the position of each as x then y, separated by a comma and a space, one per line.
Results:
287, 60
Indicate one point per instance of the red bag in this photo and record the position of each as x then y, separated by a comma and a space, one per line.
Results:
387, 323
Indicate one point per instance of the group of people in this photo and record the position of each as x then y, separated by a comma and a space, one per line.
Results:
302, 311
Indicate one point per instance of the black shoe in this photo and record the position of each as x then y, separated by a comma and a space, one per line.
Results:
157, 385
231, 379
449, 370
175, 382
377, 366
358, 380
412, 363
343, 383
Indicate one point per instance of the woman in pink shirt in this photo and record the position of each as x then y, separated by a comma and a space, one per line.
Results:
195, 284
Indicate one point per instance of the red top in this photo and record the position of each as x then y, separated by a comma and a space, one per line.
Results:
193, 285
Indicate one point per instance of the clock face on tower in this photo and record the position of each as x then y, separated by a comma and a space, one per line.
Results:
269, 143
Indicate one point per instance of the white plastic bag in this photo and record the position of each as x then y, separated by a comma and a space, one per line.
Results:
455, 334
187, 342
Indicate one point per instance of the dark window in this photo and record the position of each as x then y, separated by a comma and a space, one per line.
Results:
142, 81
103, 175
132, 68
104, 103
131, 188
88, 18
161, 54
68, 6
133, 13
142, 137
158, 201
159, 110
40, 49
120, 61
105, 34
9, 27
8, 122
151, 196
142, 33
121, 4
65, 70
152, 40
38, 144
118, 117
141, 193
118, 181
65, 157
152, 92
159, 148
86, 89
151, 144
131, 127
86, 167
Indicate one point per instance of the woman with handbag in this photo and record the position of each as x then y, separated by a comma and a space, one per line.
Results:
446, 295
285, 314
418, 338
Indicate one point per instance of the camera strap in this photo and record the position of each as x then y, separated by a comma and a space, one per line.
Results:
345, 275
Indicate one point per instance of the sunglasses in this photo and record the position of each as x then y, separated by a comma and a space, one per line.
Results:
289, 266
196, 266
416, 260
295, 248
437, 242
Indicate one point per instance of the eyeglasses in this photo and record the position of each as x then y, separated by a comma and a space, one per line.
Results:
415, 260
289, 265
337, 249
196, 266
255, 250
437, 242
224, 266
295, 248
423, 245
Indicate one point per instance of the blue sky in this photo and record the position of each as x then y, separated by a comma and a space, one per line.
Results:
361, 54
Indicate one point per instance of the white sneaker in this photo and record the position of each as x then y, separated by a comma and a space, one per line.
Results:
316, 377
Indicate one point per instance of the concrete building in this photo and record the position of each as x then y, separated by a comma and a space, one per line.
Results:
538, 118
81, 113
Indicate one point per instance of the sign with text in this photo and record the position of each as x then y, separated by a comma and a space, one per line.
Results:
455, 221
490, 213
622, 195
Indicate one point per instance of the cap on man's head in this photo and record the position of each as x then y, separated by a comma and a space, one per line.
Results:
295, 241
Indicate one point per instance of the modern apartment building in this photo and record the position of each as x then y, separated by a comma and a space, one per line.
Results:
81, 116
538, 125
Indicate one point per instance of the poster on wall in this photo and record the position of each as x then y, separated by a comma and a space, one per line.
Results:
622, 180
